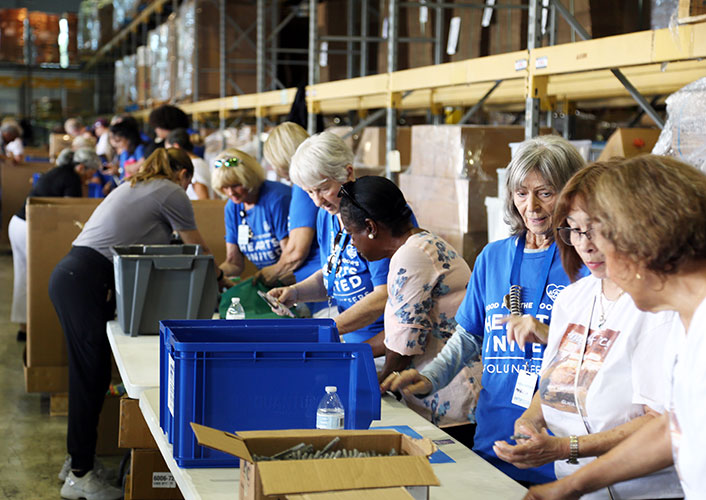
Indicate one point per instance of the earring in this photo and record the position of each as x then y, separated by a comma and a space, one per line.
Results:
371, 236
638, 276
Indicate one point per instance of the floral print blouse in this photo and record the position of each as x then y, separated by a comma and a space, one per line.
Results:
425, 286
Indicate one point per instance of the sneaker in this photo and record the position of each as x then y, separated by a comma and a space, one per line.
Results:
90, 487
98, 468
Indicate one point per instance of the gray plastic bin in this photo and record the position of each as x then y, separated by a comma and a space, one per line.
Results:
156, 282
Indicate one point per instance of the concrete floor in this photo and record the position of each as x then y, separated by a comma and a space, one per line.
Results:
32, 444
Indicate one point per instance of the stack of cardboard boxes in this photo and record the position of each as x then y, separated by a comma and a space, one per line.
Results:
447, 191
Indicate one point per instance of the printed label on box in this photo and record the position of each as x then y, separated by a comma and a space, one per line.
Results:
541, 62
170, 387
163, 480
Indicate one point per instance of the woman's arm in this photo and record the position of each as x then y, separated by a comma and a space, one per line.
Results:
646, 451
394, 362
310, 290
294, 254
363, 312
201, 190
235, 262
541, 448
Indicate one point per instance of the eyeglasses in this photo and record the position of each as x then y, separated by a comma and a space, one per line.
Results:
572, 236
344, 192
227, 162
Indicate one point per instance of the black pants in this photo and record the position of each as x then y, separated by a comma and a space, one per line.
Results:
82, 290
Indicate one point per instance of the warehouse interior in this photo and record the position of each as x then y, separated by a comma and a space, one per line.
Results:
437, 96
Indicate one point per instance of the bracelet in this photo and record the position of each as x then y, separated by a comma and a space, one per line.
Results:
573, 450
220, 275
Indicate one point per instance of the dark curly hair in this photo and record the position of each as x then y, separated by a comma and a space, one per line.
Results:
376, 198
168, 117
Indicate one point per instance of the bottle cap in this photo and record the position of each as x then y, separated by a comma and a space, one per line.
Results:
235, 300
331, 388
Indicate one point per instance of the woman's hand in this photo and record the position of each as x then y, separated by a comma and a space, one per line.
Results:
558, 490
525, 328
410, 382
267, 275
287, 295
539, 449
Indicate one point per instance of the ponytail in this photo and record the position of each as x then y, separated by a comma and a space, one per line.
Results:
163, 163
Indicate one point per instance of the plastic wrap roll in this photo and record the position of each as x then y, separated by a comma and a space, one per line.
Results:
684, 133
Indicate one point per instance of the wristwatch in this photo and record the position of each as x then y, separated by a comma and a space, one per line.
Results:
573, 450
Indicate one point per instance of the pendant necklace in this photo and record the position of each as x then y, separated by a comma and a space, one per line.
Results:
605, 311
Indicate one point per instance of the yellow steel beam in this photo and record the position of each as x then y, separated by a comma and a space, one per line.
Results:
622, 51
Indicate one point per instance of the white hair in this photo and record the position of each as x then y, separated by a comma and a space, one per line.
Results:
322, 156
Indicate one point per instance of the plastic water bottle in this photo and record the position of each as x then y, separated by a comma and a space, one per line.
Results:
330, 413
235, 310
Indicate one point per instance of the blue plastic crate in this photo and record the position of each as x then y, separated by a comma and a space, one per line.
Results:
249, 330
241, 384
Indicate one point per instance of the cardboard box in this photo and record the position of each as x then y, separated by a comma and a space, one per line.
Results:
108, 426
372, 150
134, 432
16, 183
273, 480
150, 478
143, 75
470, 151
59, 221
55, 220
629, 142
198, 60
368, 494
331, 21
57, 143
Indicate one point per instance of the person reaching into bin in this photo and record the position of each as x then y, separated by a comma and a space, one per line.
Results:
144, 210
525, 269
426, 283
321, 165
255, 214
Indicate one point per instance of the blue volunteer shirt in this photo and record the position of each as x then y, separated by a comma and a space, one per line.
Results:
302, 213
354, 276
480, 314
267, 221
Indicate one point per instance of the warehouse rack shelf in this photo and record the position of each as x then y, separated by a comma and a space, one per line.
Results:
655, 63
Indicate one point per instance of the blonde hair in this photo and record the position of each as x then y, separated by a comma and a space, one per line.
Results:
247, 172
163, 163
322, 156
281, 144
552, 157
652, 209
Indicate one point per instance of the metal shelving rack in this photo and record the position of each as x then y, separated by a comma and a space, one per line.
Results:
616, 70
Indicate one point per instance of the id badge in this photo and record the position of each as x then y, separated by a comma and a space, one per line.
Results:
243, 235
524, 388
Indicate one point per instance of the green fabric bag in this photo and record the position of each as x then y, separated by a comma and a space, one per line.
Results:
253, 305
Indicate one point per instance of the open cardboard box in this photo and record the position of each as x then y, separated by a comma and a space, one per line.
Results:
277, 480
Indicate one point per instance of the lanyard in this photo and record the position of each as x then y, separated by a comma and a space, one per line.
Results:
335, 260
543, 278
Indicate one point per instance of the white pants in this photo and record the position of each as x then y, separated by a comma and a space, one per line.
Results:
17, 232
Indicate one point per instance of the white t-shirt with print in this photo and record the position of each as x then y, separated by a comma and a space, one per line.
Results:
202, 175
623, 369
688, 416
